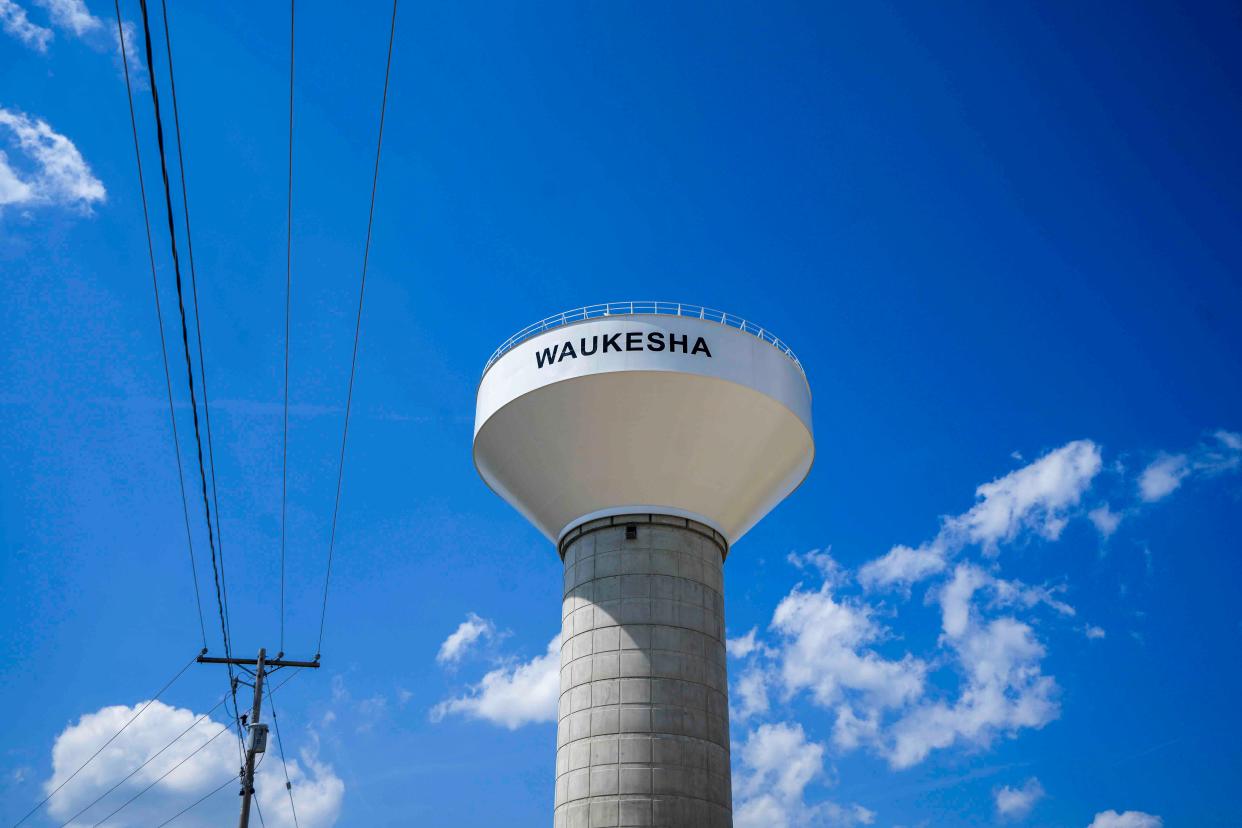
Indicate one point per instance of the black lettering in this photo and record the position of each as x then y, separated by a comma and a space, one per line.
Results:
568, 351
655, 341
610, 341
594, 345
700, 346
674, 340
546, 357
633, 341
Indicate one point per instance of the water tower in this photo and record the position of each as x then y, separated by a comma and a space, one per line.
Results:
643, 439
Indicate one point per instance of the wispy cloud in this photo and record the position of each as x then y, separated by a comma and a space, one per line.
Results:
1035, 498
1164, 475
1003, 688
74, 18
56, 173
1105, 520
512, 695
15, 21
776, 763
71, 15
1016, 803
837, 648
468, 633
1129, 819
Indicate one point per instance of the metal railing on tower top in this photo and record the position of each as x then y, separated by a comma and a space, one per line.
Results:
568, 317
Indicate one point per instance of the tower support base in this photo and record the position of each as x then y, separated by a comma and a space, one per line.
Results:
643, 721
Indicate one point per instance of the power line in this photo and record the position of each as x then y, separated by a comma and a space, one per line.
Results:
193, 753
128, 802
148, 761
159, 315
198, 802
284, 442
353, 365
202, 362
185, 335
257, 807
198, 325
111, 738
221, 605
281, 744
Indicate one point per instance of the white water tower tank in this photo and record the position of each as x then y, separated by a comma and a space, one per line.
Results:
643, 439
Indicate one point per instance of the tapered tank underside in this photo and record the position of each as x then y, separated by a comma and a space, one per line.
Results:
720, 435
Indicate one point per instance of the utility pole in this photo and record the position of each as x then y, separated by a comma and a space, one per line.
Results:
256, 741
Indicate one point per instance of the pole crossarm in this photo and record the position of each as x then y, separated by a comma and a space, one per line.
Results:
254, 662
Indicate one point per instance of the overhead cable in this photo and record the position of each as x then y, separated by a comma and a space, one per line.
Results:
193, 753
271, 698
111, 739
353, 365
185, 335
148, 761
198, 802
284, 440
202, 362
198, 325
159, 316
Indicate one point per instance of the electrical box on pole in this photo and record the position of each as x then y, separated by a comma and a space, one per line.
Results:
258, 738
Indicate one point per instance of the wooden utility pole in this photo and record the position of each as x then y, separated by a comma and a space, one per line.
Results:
256, 741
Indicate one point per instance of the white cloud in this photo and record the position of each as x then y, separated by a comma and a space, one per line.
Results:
1033, 497
364, 714
1093, 632
14, 21
851, 730
1129, 819
1163, 476
12, 189
828, 647
776, 763
1003, 688
821, 561
71, 15
370, 711
317, 791
137, 69
1105, 520
825, 650
59, 176
778, 758
74, 17
750, 694
467, 634
512, 695
1036, 498
1016, 803
904, 565
742, 646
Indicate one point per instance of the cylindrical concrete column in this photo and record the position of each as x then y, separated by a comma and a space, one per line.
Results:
643, 725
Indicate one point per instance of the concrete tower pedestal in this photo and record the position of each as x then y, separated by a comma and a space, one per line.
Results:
643, 721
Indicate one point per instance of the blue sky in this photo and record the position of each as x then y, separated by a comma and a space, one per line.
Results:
1002, 240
